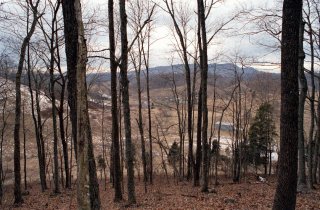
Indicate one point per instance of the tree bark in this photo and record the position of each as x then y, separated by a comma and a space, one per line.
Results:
38, 127
204, 77
285, 196
140, 121
302, 182
17, 167
87, 186
71, 39
197, 165
61, 118
125, 102
115, 160
24, 148
53, 105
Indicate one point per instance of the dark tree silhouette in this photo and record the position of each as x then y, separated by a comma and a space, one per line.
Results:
17, 168
114, 109
285, 197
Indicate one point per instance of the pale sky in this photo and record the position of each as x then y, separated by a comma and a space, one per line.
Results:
227, 43
224, 43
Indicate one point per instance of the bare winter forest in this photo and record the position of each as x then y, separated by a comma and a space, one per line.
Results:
160, 104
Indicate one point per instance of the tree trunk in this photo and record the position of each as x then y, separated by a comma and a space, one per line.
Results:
71, 40
53, 108
285, 197
204, 76
197, 165
17, 168
24, 148
87, 187
38, 128
4, 124
61, 119
312, 109
115, 160
183, 44
140, 121
146, 59
302, 182
315, 158
125, 102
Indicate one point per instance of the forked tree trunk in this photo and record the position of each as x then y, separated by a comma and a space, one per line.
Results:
115, 155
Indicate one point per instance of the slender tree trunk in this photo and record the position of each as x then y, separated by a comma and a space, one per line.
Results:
285, 196
43, 167
3, 128
198, 149
104, 156
61, 119
204, 76
37, 126
182, 35
17, 168
197, 165
53, 109
302, 182
316, 158
115, 160
140, 121
125, 102
312, 110
24, 148
146, 56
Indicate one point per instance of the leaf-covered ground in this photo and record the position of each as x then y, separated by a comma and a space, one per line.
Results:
164, 194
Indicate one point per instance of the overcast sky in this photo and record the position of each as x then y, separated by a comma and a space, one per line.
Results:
228, 43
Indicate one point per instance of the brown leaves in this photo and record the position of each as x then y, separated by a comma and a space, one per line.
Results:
183, 195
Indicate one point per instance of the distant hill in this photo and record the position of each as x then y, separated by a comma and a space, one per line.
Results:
223, 70
161, 76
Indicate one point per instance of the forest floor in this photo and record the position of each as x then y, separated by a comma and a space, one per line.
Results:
164, 194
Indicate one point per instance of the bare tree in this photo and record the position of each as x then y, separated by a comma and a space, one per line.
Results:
182, 33
36, 79
137, 9
17, 174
